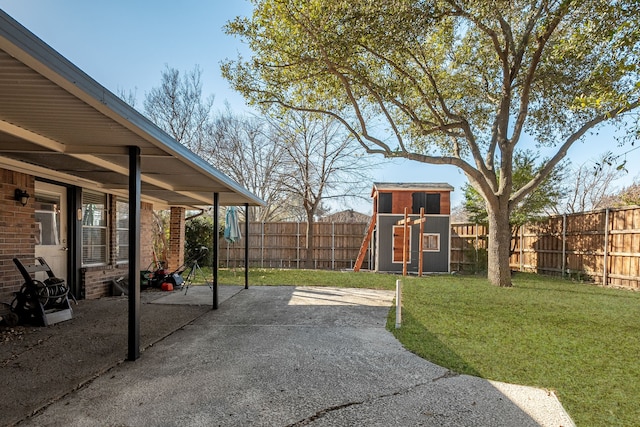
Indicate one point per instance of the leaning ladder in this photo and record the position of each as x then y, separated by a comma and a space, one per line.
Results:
365, 244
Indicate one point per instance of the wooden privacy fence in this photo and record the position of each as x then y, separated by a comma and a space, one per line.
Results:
603, 246
282, 245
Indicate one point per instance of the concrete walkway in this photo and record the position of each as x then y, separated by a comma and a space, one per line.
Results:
286, 356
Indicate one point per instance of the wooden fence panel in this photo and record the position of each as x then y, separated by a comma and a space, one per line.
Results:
468, 241
283, 245
602, 246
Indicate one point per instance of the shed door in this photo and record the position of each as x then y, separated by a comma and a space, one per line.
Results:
398, 243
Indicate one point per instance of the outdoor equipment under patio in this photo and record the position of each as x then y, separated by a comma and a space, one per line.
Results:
69, 143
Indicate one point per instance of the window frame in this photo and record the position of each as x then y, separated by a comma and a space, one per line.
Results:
119, 229
103, 229
429, 248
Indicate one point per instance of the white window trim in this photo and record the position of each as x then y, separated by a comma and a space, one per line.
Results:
106, 227
429, 235
118, 229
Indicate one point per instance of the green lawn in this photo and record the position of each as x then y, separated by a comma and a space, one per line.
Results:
275, 276
580, 340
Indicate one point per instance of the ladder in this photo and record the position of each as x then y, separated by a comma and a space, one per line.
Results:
365, 244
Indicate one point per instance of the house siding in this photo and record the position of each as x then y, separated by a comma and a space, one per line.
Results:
433, 262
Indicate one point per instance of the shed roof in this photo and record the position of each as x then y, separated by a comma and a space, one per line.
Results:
411, 186
57, 122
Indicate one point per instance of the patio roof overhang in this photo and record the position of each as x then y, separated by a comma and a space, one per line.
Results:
59, 123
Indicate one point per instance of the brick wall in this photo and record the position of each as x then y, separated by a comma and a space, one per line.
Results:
176, 238
146, 235
96, 281
17, 228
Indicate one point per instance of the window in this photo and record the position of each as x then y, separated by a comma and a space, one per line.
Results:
47, 220
429, 201
385, 203
431, 242
94, 228
122, 231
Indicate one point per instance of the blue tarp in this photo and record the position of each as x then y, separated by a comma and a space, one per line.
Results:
232, 231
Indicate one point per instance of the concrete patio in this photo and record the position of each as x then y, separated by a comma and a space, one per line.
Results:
269, 356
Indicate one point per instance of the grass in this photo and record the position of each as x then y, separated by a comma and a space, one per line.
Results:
274, 276
580, 340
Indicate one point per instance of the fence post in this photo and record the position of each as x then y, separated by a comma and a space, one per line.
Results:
262, 247
475, 267
521, 247
298, 247
333, 245
564, 245
605, 273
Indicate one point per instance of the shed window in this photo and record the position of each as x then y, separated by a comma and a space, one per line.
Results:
385, 203
94, 228
431, 242
429, 201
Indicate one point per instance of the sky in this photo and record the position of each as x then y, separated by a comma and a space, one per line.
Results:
124, 45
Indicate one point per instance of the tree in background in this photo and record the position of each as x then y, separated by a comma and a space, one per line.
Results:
589, 187
322, 162
248, 151
450, 82
178, 107
630, 196
534, 207
199, 233
253, 151
627, 196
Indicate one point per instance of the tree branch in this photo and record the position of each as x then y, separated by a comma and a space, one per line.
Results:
562, 151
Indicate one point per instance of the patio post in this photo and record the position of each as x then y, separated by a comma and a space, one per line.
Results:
246, 245
216, 247
134, 254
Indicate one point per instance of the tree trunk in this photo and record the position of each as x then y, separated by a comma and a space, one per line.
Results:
499, 247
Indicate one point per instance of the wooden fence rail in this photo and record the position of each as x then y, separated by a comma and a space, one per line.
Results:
603, 246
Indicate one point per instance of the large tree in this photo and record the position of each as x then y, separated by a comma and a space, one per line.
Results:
448, 81
534, 206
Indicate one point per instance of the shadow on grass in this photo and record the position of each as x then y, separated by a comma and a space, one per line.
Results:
418, 339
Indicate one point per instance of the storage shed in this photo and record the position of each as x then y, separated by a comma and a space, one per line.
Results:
385, 236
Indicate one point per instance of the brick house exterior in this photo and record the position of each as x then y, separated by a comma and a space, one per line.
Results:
18, 239
66, 141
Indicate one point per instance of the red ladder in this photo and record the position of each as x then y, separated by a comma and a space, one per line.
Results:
365, 244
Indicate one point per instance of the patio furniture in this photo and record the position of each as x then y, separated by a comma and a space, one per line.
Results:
41, 302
